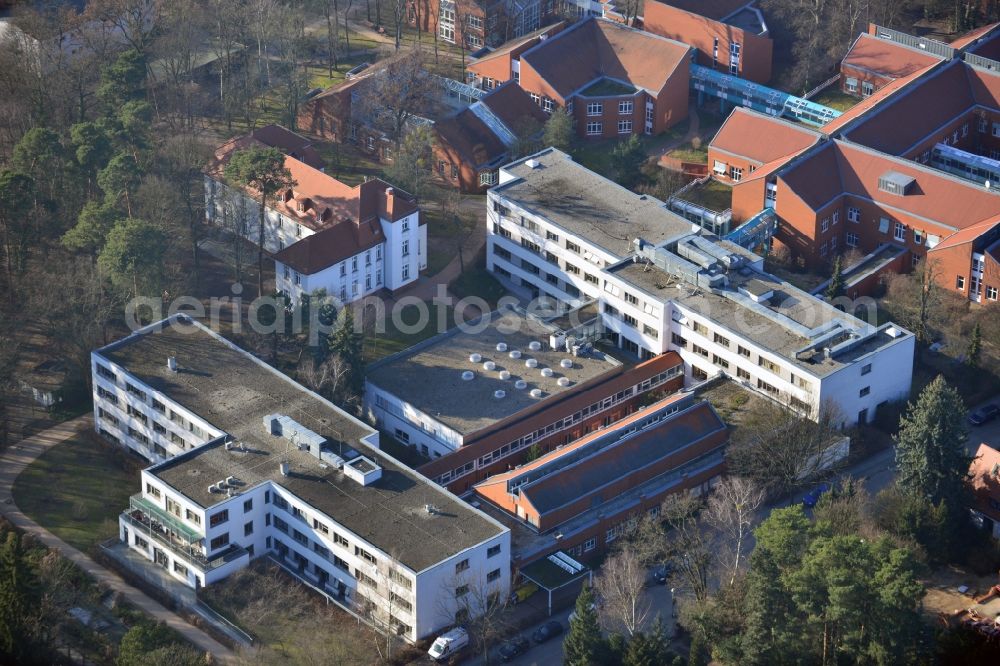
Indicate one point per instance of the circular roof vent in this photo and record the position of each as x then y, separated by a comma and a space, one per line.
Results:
520, 384
501, 346
468, 375
504, 375
515, 353
535, 345
546, 372
475, 358
489, 365
536, 393
499, 394
563, 381
531, 363
566, 363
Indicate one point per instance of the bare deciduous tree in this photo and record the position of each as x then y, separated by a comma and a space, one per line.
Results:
686, 543
395, 94
621, 587
732, 509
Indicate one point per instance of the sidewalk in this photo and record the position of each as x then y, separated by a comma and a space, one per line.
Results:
13, 461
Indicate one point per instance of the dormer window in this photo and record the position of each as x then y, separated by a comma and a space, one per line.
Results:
896, 183
286, 196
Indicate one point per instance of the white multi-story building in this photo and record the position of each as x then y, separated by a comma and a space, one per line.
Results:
265, 467
558, 230
323, 234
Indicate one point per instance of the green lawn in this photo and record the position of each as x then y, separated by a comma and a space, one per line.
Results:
713, 195
834, 98
76, 490
688, 153
477, 281
393, 340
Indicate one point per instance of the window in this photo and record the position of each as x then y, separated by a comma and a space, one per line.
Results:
650, 331
866, 368
719, 361
192, 516
991, 293
406, 248
736, 174
364, 554
764, 386
547, 105
153, 490
853, 214
595, 128
721, 340
899, 231
248, 506
865, 391
590, 278
836, 217
833, 244
340, 540
852, 239
488, 178
595, 108
535, 98
572, 247
824, 226
371, 143
960, 283
625, 107
401, 580
180, 568
493, 551
589, 545
218, 518
105, 372
768, 365
743, 351
624, 126
493, 576
742, 374
461, 590
462, 566
248, 529
454, 172
219, 541
135, 391
867, 88
981, 125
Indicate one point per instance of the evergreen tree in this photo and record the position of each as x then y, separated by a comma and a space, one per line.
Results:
91, 229
133, 255
583, 644
347, 343
930, 446
699, 654
836, 286
558, 131
141, 640
18, 599
615, 648
627, 159
975, 347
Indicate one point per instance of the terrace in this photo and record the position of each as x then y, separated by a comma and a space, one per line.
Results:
608, 87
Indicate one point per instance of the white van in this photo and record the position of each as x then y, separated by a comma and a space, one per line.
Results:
447, 645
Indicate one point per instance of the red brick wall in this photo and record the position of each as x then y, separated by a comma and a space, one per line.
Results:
468, 177
326, 117
748, 197
731, 161
701, 32
861, 75
671, 105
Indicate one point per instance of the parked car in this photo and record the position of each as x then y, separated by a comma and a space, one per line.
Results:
812, 497
662, 573
514, 647
984, 414
448, 644
548, 630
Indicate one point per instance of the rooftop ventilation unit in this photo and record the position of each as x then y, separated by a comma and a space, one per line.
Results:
468, 375
230, 480
211, 488
430, 509
475, 358
287, 427
363, 470
536, 393
533, 164
546, 372
515, 353
563, 381
489, 365
172, 363
504, 375
520, 384
535, 345
566, 363
501, 346
557, 340
499, 394
531, 363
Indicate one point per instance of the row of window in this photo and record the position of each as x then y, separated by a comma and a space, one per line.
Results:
976, 287
597, 108
596, 128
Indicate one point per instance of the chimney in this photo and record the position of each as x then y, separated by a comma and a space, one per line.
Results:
390, 201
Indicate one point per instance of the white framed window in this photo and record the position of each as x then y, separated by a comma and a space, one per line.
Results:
488, 178
406, 271
867, 88
624, 126
595, 128
474, 21
825, 224
899, 231
851, 84
370, 143
595, 108
918, 237
406, 248
625, 107
406, 225
547, 105
960, 282
535, 98
852, 239
996, 129
965, 130
736, 174
991, 293
853, 214
974, 285
589, 545
836, 217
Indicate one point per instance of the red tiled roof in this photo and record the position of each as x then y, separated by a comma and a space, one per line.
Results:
867, 104
844, 168
513, 106
713, 9
471, 137
597, 48
970, 37
916, 112
967, 235
330, 246
530, 39
760, 137
886, 58
985, 481
290, 143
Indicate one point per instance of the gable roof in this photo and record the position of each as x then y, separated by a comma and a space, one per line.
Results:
713, 9
330, 246
762, 138
969, 39
859, 111
521, 43
597, 48
967, 235
512, 105
290, 143
471, 137
886, 58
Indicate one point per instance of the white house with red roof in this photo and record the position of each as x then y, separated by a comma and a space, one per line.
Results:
984, 481
322, 233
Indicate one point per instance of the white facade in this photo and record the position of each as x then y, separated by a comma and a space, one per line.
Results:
239, 214
530, 252
409, 425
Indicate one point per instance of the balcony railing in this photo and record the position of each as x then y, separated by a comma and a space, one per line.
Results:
147, 525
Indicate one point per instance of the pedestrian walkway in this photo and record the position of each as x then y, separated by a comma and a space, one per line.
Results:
13, 461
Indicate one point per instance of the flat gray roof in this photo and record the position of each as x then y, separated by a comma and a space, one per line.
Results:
428, 376
589, 205
233, 391
789, 321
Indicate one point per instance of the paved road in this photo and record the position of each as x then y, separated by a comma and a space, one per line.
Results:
12, 463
